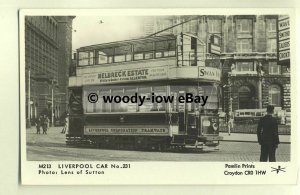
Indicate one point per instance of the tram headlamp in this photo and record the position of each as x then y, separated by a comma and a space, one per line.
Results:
215, 126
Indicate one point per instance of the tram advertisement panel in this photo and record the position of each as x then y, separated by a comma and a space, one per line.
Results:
121, 75
132, 130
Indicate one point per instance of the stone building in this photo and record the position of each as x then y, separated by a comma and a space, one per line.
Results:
252, 77
48, 41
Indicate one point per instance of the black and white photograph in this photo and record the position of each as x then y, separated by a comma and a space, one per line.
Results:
137, 88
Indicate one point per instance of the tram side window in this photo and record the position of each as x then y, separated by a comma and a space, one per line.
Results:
98, 103
165, 48
147, 105
159, 91
85, 58
105, 56
117, 105
89, 107
129, 107
143, 51
123, 53
101, 106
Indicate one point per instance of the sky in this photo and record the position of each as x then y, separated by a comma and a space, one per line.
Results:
88, 30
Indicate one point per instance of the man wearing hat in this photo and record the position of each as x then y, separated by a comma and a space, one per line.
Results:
267, 134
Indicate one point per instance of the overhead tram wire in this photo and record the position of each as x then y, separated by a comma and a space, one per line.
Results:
194, 18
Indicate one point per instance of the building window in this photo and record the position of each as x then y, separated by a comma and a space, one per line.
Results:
246, 98
275, 95
214, 26
244, 45
272, 45
244, 25
193, 24
163, 24
274, 68
186, 27
271, 25
244, 66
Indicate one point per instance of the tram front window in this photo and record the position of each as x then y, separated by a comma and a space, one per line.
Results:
123, 53
86, 58
143, 51
105, 56
165, 48
213, 97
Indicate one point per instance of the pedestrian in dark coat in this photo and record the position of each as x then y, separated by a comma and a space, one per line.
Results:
45, 124
38, 125
267, 134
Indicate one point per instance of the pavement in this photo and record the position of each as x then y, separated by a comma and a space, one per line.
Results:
246, 137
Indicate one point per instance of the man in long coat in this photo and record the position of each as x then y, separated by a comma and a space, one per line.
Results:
267, 134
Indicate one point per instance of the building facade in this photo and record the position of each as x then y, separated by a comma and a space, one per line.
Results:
252, 77
48, 41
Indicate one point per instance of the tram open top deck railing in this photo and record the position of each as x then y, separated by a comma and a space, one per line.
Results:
146, 49
189, 58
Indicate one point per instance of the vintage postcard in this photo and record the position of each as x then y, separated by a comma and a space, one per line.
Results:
157, 96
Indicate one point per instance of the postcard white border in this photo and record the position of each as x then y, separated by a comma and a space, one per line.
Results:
141, 173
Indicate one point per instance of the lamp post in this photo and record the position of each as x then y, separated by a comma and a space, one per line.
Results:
28, 122
230, 102
52, 101
52, 104
259, 75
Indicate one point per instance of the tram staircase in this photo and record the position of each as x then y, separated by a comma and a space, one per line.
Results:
78, 141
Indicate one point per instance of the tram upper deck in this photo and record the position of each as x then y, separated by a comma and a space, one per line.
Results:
147, 59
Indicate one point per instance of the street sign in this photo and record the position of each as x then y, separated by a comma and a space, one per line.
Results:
215, 45
283, 39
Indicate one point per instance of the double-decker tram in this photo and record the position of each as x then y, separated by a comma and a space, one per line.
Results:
166, 94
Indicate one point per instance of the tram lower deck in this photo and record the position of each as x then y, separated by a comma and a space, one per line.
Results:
148, 124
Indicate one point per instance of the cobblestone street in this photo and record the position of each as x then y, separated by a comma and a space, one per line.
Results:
52, 147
